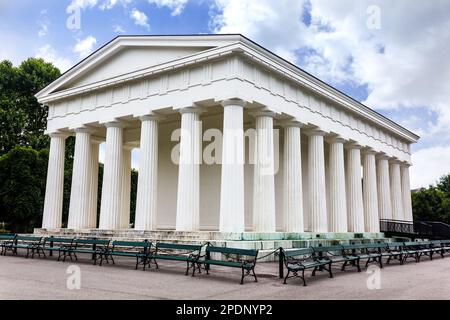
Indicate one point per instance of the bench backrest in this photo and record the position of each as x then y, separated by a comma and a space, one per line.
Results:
238, 251
58, 240
91, 242
445, 242
411, 244
303, 252
394, 245
7, 237
178, 246
325, 249
131, 244
28, 238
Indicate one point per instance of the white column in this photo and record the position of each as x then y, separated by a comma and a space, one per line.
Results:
111, 206
384, 188
54, 191
232, 179
371, 220
126, 187
263, 176
316, 180
354, 189
147, 195
94, 184
79, 207
396, 190
337, 206
188, 197
406, 192
292, 191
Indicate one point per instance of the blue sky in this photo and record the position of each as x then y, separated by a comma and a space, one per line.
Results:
389, 55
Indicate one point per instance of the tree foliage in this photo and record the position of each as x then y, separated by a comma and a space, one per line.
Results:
433, 203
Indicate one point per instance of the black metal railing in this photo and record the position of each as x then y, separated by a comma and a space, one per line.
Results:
418, 229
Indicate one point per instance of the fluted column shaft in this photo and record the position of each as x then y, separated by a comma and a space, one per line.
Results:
371, 219
188, 197
354, 190
316, 179
406, 192
293, 195
232, 179
93, 193
111, 205
337, 206
384, 188
263, 177
396, 191
147, 195
126, 187
54, 191
79, 208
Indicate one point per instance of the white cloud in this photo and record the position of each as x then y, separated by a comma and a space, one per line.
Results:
84, 47
403, 64
109, 4
80, 4
49, 54
177, 6
119, 29
139, 18
429, 165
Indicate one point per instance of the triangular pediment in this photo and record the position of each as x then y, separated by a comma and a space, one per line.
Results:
128, 54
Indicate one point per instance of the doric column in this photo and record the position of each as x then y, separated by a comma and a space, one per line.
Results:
126, 187
188, 197
384, 187
337, 206
354, 189
232, 180
371, 220
263, 176
79, 208
316, 180
54, 191
406, 192
292, 178
111, 206
147, 195
396, 190
93, 193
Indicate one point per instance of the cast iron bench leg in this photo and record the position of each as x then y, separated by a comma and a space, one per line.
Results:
287, 275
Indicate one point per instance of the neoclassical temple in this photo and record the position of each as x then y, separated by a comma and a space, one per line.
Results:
322, 161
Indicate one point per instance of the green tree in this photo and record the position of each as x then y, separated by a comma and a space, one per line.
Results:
444, 185
431, 204
22, 118
23, 174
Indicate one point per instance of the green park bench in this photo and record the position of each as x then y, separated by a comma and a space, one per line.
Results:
336, 255
6, 240
410, 250
437, 247
97, 248
393, 251
188, 253
135, 249
371, 252
55, 244
245, 259
29, 243
424, 249
299, 260
445, 245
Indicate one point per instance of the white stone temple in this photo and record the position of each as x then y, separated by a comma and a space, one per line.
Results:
295, 155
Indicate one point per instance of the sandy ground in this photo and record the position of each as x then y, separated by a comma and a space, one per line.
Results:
47, 278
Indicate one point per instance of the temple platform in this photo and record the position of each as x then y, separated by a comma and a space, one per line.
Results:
265, 242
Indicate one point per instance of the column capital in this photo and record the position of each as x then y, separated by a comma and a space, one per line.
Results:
315, 132
83, 129
382, 156
353, 145
58, 134
335, 138
193, 109
394, 161
368, 150
151, 117
262, 112
114, 124
233, 102
290, 123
